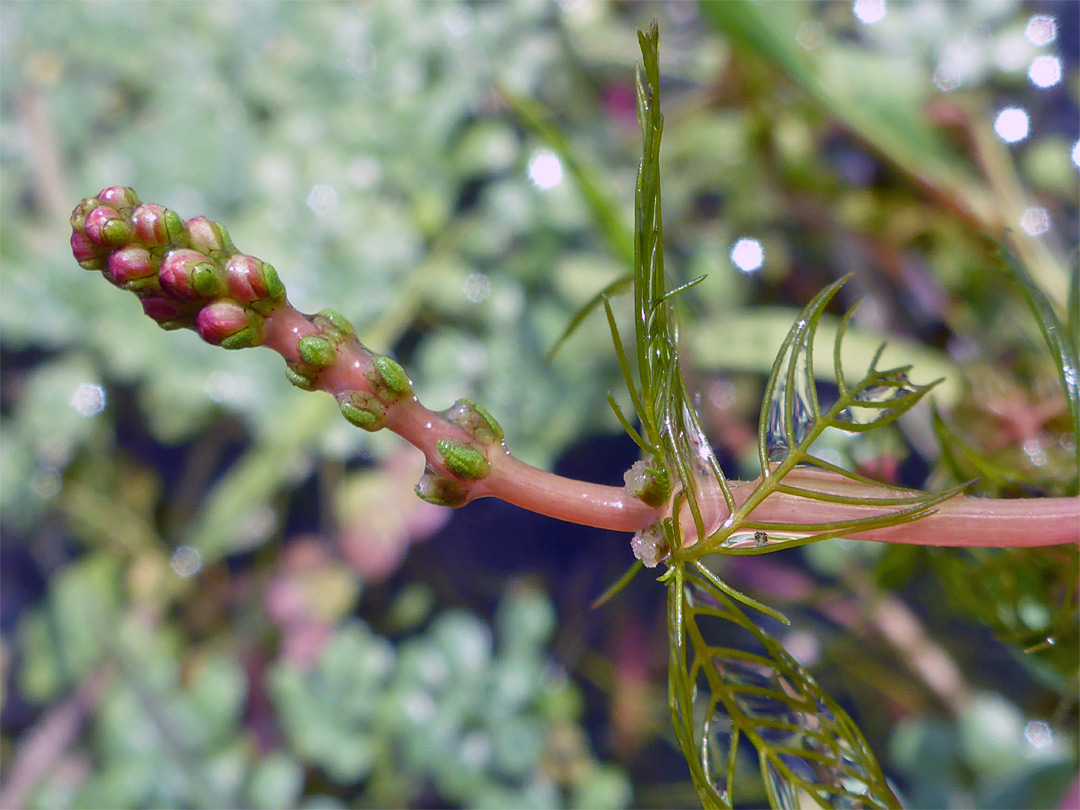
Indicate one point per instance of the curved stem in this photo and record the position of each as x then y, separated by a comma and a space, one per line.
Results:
960, 521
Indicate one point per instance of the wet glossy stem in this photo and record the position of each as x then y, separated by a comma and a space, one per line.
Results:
957, 522
960, 521
509, 480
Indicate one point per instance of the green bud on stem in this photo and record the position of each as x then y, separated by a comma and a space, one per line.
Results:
334, 324
463, 459
298, 378
389, 379
364, 410
474, 420
316, 351
441, 490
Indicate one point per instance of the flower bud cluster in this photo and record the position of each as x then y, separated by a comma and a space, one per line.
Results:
187, 274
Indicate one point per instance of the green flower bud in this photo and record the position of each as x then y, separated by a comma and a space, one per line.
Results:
463, 459
316, 351
331, 321
440, 490
82, 210
299, 379
363, 410
389, 379
474, 420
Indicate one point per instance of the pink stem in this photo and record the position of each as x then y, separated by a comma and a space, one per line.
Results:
961, 521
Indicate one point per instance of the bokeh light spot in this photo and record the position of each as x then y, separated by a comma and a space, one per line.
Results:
748, 255
1041, 30
1035, 221
869, 11
322, 199
1039, 734
89, 399
1045, 71
186, 561
545, 169
1011, 124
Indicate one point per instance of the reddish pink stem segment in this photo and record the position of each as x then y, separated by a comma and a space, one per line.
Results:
961, 521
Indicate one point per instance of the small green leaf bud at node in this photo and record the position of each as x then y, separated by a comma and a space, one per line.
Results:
650, 545
463, 459
362, 409
441, 490
474, 420
316, 351
647, 484
299, 379
389, 379
331, 321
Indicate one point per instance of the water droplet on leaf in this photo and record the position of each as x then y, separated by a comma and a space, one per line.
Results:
777, 445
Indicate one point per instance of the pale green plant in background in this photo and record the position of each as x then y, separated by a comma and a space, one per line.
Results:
731, 683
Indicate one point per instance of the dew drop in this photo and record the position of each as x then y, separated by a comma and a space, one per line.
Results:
758, 539
795, 407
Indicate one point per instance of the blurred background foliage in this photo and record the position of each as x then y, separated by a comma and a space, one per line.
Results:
211, 595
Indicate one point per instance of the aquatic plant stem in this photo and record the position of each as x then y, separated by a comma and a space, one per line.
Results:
960, 521
189, 274
509, 479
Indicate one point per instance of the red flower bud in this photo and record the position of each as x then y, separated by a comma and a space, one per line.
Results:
105, 227
128, 264
188, 274
118, 197
86, 253
162, 310
225, 323
244, 275
151, 224
207, 236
